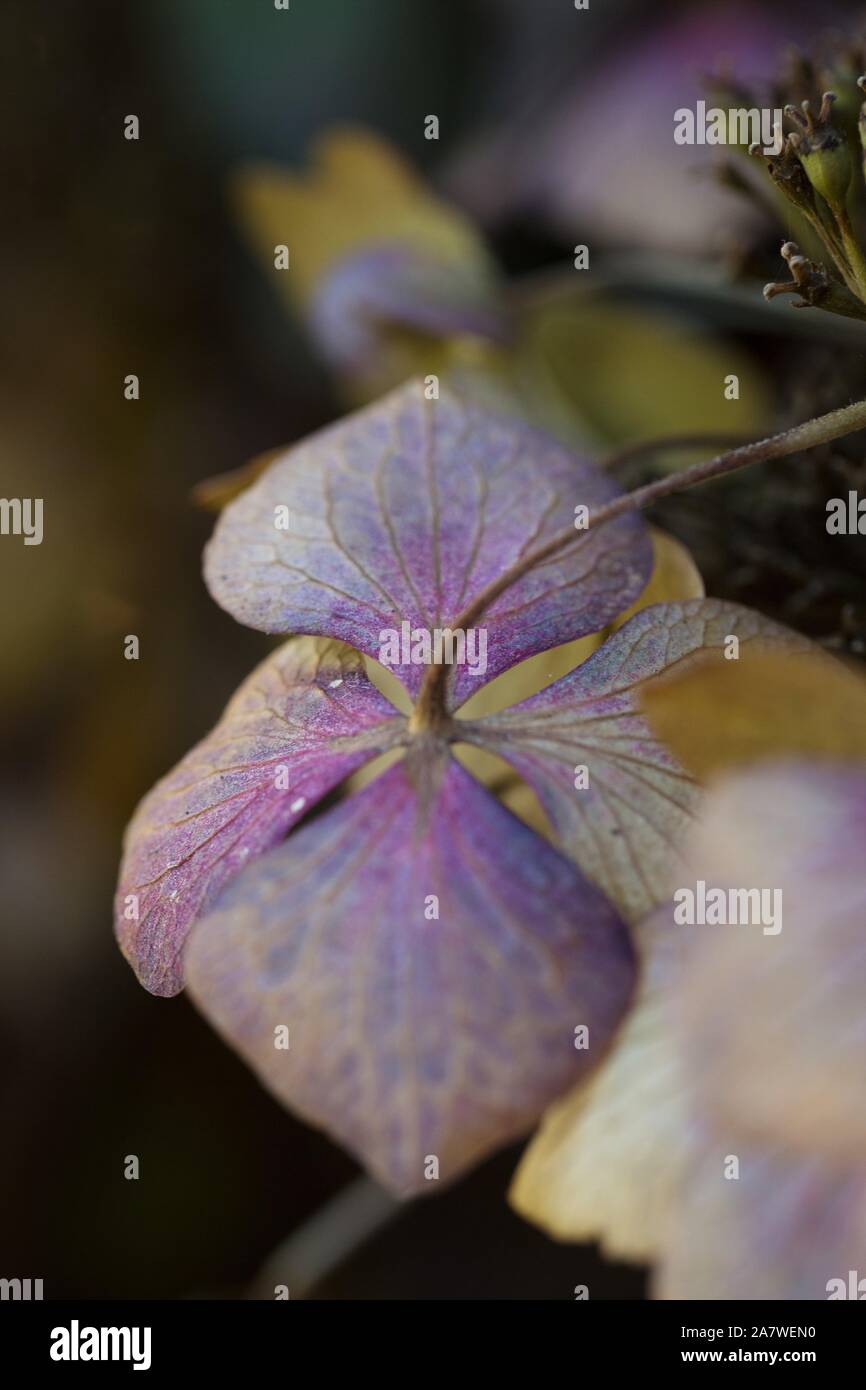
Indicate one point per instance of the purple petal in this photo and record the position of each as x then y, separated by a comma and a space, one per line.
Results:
405, 512
623, 829
305, 719
414, 1036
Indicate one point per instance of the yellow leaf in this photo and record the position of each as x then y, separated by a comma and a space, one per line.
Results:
719, 713
631, 375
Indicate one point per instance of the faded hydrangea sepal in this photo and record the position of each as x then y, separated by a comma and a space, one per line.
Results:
306, 718
431, 959
404, 513
617, 798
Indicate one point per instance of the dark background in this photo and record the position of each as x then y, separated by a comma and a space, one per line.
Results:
119, 257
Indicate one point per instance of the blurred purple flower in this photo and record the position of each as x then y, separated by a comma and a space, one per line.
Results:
773, 1032
395, 286
604, 162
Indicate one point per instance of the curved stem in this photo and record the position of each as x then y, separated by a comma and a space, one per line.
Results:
430, 708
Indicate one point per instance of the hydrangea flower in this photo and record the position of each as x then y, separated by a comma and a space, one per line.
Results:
411, 967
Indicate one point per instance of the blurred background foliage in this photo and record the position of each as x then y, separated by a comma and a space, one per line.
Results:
122, 257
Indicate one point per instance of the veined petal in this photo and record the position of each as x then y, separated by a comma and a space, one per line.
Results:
431, 959
404, 513
304, 719
623, 816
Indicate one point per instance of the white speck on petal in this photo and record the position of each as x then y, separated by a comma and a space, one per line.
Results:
332, 685
299, 804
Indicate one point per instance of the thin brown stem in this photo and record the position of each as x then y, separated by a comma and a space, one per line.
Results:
430, 708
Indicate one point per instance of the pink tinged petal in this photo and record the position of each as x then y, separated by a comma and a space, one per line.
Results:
412, 1036
406, 511
306, 718
774, 1022
790, 1227
625, 827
